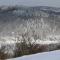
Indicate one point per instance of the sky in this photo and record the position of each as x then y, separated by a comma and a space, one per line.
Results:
54, 3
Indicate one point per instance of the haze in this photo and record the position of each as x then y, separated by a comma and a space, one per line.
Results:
54, 3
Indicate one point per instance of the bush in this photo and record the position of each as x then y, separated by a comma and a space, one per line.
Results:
3, 56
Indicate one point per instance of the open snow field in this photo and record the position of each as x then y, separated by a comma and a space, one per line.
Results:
53, 55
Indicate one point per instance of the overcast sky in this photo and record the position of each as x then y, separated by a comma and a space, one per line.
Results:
55, 3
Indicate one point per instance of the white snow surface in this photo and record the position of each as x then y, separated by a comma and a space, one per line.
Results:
53, 55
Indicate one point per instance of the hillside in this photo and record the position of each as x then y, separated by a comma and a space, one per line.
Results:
28, 30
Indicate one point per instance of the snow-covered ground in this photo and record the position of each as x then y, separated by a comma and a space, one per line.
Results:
54, 55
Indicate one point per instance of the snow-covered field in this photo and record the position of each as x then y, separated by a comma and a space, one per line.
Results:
54, 55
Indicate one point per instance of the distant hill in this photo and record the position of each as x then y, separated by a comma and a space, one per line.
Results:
12, 16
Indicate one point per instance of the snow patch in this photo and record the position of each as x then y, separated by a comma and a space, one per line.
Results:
54, 55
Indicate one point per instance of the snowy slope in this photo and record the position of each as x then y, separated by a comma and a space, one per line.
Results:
54, 55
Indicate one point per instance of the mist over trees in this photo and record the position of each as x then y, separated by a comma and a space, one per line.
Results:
22, 29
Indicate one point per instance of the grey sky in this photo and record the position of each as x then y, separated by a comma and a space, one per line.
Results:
55, 3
